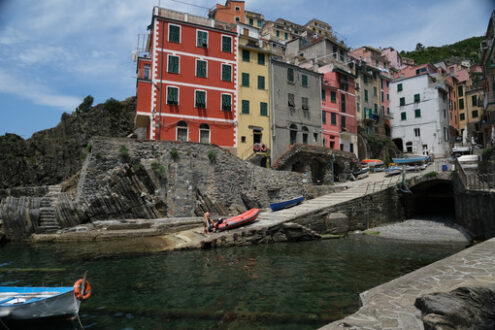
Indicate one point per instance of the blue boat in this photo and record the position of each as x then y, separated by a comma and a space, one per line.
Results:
285, 204
34, 303
393, 170
412, 160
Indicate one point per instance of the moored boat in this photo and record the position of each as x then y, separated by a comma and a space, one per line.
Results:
372, 162
393, 170
34, 303
411, 160
237, 221
286, 203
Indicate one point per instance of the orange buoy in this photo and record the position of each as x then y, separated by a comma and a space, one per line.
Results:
79, 292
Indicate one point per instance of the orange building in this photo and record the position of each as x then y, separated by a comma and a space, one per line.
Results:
231, 12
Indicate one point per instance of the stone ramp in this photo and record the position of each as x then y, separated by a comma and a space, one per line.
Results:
391, 305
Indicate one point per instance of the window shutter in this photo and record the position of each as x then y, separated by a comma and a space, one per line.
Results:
174, 34
263, 109
226, 44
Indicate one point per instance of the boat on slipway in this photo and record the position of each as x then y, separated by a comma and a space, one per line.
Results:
411, 160
36, 303
393, 170
286, 203
237, 221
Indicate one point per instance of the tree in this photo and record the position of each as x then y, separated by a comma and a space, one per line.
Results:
86, 104
419, 47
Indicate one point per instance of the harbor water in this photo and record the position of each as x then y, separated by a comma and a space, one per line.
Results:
278, 286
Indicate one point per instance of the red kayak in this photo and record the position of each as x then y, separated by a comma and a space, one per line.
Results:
237, 221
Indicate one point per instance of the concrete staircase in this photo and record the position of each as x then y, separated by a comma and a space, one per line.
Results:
48, 218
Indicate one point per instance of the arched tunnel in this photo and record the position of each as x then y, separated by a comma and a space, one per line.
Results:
432, 197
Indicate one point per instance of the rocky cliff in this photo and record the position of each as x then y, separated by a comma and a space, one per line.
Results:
53, 155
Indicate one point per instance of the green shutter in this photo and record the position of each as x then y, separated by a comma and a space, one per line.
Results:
261, 82
365, 95
304, 79
416, 97
245, 55
174, 33
226, 102
333, 97
417, 113
290, 74
172, 95
402, 101
202, 39
399, 87
323, 94
245, 79
261, 59
201, 69
200, 99
226, 72
402, 116
245, 106
226, 44
323, 117
173, 64
376, 108
263, 109
333, 118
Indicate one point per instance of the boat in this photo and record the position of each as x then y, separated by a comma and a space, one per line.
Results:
468, 161
372, 162
35, 303
411, 160
287, 203
237, 221
393, 170
363, 172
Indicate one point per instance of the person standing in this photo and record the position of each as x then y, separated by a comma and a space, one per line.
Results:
207, 224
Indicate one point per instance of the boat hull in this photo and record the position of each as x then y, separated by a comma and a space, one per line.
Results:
240, 220
285, 204
61, 305
392, 171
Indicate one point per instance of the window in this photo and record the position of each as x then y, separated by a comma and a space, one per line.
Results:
323, 94
202, 39
172, 95
243, 139
226, 44
417, 113
245, 55
291, 101
182, 131
461, 104
173, 64
237, 8
381, 83
261, 82
315, 137
277, 33
474, 114
204, 133
462, 116
237, 19
342, 121
251, 22
446, 134
388, 111
174, 33
416, 97
200, 99
286, 35
417, 132
305, 135
245, 79
245, 107
293, 134
403, 116
201, 68
365, 79
402, 101
304, 80
261, 59
358, 109
146, 71
374, 91
342, 147
383, 96
263, 109
399, 87
460, 91
259, 23
226, 72
335, 51
473, 98
351, 147
290, 75
227, 102
409, 146
342, 102
333, 118
304, 102
388, 97
333, 97
365, 95
323, 117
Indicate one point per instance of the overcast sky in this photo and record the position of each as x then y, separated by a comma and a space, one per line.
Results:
53, 53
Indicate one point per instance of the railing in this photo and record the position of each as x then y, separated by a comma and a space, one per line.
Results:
474, 180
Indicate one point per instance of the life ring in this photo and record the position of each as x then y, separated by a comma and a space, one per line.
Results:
78, 287
256, 147
264, 148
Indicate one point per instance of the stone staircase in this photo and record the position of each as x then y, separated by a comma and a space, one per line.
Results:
48, 218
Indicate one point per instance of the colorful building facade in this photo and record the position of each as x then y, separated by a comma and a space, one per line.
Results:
190, 93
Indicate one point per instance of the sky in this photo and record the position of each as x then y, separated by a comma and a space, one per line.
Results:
53, 53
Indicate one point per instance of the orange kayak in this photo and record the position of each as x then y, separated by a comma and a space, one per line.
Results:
239, 220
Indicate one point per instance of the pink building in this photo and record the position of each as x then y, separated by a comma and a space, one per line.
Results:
338, 103
393, 58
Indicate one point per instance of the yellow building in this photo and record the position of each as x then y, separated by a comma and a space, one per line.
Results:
254, 106
474, 113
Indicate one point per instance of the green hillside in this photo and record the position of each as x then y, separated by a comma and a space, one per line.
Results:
468, 48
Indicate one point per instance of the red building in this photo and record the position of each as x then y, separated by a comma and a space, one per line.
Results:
187, 85
338, 105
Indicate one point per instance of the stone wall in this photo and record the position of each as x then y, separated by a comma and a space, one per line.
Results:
357, 214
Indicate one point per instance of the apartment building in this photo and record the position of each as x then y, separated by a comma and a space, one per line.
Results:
232, 12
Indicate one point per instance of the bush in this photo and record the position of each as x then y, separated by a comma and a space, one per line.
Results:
158, 169
174, 153
88, 148
487, 152
212, 156
112, 105
85, 106
124, 154
138, 166
431, 174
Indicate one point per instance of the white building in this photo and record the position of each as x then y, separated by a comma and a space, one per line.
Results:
420, 123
